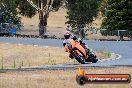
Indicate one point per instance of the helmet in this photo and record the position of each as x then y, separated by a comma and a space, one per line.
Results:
67, 35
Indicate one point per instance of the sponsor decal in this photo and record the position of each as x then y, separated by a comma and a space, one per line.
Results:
83, 78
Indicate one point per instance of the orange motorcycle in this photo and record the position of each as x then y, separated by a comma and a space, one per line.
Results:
79, 52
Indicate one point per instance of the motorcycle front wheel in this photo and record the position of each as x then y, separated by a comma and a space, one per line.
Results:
80, 59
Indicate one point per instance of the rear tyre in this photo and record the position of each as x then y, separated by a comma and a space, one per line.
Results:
93, 59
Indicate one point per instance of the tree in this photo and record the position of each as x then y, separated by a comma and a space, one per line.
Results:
43, 8
118, 15
102, 6
80, 13
8, 14
25, 9
31, 7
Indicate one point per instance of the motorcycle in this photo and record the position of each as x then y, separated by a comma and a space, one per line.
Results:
80, 52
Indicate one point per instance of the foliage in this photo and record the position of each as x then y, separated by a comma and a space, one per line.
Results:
81, 12
102, 6
8, 12
26, 9
57, 4
9, 9
118, 15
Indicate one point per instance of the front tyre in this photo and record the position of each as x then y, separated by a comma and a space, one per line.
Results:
80, 59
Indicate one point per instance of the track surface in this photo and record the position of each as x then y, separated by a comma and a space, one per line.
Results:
124, 48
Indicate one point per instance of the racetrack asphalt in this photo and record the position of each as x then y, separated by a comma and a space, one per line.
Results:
123, 48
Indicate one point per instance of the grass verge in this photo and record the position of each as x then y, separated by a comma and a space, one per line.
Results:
17, 56
58, 78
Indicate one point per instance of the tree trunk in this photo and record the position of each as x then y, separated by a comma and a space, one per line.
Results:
82, 33
42, 19
42, 24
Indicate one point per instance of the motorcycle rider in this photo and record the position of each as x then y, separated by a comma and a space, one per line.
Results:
67, 37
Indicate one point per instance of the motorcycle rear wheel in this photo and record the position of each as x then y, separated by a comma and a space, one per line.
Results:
93, 59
